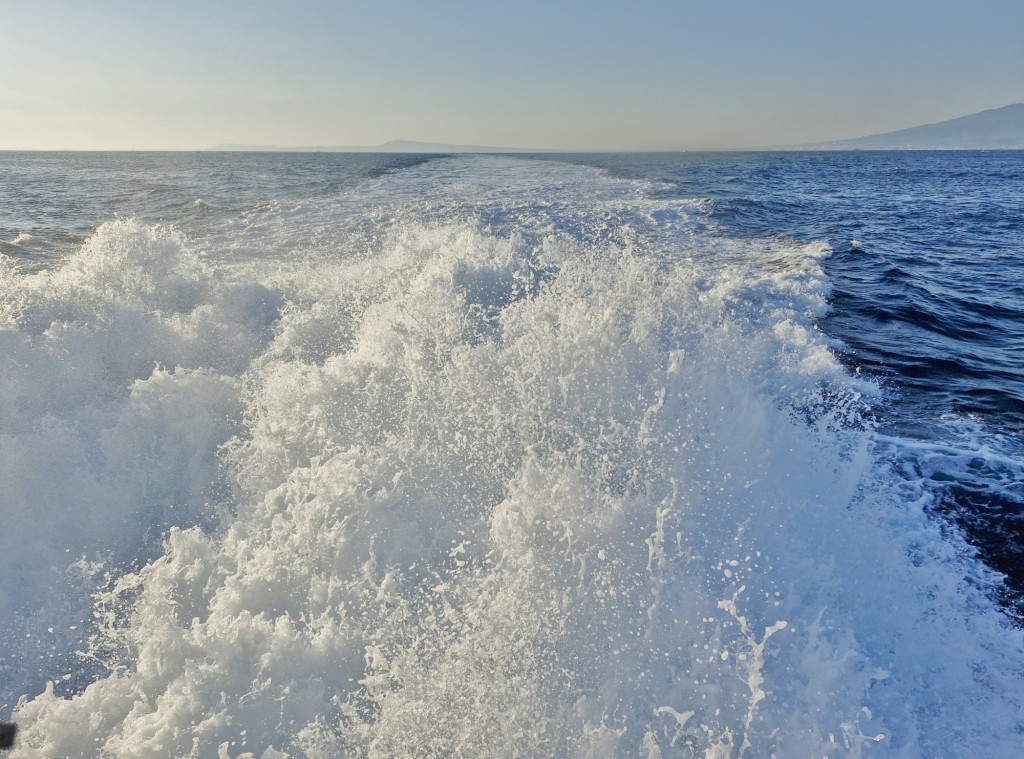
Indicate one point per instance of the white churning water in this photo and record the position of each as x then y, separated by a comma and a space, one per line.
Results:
487, 457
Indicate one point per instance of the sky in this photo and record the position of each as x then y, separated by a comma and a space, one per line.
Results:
594, 75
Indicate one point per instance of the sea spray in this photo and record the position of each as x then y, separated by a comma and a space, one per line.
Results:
117, 391
499, 490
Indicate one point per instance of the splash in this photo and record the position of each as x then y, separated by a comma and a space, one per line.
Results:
543, 482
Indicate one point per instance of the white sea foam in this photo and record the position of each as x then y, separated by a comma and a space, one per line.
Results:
490, 458
25, 239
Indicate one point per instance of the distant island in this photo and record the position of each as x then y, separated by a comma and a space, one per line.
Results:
994, 129
395, 146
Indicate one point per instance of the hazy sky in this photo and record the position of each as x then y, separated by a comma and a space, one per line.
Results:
106, 74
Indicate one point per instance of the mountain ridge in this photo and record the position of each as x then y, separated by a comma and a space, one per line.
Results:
993, 129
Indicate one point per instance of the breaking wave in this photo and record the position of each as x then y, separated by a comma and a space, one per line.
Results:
482, 458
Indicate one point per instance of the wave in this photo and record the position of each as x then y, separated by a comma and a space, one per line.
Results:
489, 457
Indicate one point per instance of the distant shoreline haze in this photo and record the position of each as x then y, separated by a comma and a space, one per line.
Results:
394, 146
993, 129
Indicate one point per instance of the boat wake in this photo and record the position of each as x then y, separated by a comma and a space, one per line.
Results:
490, 457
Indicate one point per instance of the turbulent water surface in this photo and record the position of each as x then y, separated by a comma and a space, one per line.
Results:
328, 455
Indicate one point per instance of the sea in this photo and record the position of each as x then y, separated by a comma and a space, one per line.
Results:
587, 455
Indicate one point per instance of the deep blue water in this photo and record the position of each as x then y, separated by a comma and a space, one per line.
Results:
635, 454
927, 264
927, 269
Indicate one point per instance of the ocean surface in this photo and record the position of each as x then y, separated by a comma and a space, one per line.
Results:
666, 455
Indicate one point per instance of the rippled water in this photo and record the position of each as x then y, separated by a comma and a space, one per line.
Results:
347, 455
927, 297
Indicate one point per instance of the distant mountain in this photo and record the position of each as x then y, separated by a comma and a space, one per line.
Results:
395, 146
995, 129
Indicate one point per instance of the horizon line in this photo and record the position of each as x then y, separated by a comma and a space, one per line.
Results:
814, 148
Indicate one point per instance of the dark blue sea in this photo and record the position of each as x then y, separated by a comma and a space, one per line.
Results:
367, 455
926, 269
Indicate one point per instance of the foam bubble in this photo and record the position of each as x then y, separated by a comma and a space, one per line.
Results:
497, 487
119, 386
